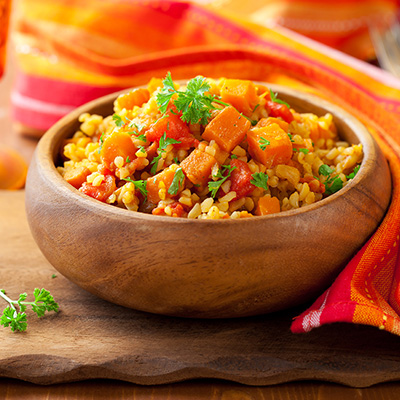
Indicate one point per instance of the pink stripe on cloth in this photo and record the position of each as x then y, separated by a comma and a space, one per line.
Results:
59, 91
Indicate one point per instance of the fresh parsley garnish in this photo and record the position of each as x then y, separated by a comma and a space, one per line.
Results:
133, 124
177, 181
140, 185
264, 143
194, 104
332, 183
14, 315
260, 180
163, 144
214, 186
291, 137
353, 174
276, 100
127, 161
118, 120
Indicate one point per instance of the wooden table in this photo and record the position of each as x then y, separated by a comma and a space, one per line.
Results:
197, 389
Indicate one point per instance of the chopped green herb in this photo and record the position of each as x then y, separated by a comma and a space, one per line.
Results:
332, 184
264, 143
177, 181
136, 125
127, 161
176, 161
291, 137
54, 276
163, 144
139, 185
302, 150
255, 108
276, 100
325, 170
118, 120
233, 156
14, 315
260, 180
101, 140
214, 186
142, 149
353, 174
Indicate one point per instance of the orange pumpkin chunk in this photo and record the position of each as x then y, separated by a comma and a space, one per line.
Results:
159, 184
197, 166
77, 176
136, 97
228, 129
270, 145
267, 205
242, 94
117, 144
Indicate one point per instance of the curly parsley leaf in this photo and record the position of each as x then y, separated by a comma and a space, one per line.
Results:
214, 186
275, 99
325, 170
302, 150
177, 181
165, 94
14, 315
260, 180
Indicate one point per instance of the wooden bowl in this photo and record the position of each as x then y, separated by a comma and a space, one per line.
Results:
204, 268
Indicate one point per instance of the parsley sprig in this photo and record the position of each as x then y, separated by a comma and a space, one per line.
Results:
194, 104
214, 186
162, 146
14, 315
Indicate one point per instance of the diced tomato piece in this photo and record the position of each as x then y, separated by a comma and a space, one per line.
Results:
174, 128
240, 179
101, 192
177, 210
279, 110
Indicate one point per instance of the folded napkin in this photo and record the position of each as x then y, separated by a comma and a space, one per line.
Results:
72, 51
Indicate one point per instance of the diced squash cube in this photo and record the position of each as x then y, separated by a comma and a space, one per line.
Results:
76, 176
136, 97
272, 120
157, 186
242, 94
117, 144
269, 145
228, 129
197, 166
267, 205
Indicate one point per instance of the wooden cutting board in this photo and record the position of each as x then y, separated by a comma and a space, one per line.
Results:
90, 338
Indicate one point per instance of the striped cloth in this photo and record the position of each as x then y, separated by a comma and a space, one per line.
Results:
72, 51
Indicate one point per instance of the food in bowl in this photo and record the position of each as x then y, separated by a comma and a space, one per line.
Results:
211, 149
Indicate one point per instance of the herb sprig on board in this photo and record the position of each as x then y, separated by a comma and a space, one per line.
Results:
14, 315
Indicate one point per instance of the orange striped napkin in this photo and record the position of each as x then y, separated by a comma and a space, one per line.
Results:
72, 51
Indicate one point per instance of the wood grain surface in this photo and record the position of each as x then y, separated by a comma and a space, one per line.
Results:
91, 338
